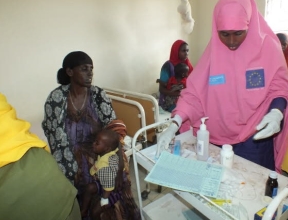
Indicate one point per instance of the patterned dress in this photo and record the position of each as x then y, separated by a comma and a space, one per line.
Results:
70, 139
56, 129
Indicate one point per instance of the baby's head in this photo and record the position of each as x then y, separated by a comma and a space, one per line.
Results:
106, 141
181, 70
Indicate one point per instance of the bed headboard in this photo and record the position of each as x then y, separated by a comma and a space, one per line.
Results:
130, 113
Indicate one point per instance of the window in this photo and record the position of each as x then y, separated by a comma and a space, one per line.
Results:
276, 15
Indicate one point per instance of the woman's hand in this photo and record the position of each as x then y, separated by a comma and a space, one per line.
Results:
269, 125
175, 93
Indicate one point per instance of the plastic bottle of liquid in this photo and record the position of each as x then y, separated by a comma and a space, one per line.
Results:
227, 155
271, 185
203, 141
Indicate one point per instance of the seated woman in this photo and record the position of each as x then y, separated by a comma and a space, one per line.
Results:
178, 54
175, 84
73, 112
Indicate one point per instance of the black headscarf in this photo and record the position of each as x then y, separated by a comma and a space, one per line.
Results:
72, 60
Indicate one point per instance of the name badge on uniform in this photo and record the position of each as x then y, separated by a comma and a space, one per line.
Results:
217, 79
255, 79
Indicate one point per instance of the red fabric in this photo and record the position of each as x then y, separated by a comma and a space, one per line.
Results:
174, 59
173, 81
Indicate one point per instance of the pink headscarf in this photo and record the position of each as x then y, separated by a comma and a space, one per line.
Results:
247, 79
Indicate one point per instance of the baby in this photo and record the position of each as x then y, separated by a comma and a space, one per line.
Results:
175, 83
105, 169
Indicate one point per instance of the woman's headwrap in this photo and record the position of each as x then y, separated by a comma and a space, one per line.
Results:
72, 60
119, 127
174, 55
15, 137
232, 17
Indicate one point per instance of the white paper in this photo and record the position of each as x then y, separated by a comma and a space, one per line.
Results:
186, 174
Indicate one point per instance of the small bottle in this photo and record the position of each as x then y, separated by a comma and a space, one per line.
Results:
227, 155
271, 185
203, 141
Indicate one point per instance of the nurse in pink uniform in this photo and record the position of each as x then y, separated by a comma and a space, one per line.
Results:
241, 84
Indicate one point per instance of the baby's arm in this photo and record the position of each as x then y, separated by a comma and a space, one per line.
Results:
106, 194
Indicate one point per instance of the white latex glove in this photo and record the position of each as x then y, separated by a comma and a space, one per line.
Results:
104, 201
272, 122
165, 138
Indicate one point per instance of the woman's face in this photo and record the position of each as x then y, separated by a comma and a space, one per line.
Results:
233, 38
183, 52
81, 75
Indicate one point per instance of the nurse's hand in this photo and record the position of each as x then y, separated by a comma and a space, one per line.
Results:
269, 125
167, 136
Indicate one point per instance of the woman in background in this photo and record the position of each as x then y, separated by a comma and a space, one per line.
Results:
283, 38
175, 83
31, 185
178, 54
241, 84
74, 112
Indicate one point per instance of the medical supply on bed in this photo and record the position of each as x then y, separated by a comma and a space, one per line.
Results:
271, 185
165, 138
203, 141
186, 174
227, 155
226, 211
175, 147
221, 201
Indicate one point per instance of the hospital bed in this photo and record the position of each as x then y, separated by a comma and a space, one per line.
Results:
133, 115
276, 205
137, 110
151, 110
242, 187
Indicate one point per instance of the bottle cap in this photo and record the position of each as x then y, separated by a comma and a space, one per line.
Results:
273, 175
227, 147
203, 126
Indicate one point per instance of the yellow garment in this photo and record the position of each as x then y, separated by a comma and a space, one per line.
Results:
15, 137
284, 165
285, 162
102, 162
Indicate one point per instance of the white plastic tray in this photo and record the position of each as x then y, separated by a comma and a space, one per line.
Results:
170, 207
